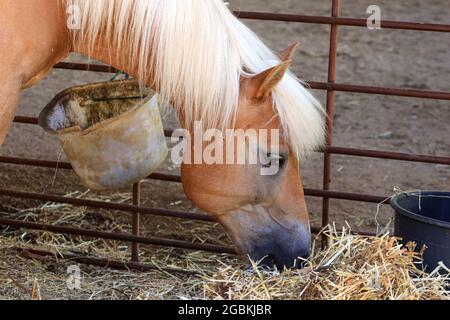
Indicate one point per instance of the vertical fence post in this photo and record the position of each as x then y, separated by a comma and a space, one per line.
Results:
334, 34
136, 221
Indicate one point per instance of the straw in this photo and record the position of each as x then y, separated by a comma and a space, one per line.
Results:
351, 267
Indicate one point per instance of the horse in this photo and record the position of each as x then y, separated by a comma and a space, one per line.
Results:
212, 69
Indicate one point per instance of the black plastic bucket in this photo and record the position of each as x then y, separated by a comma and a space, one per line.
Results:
424, 217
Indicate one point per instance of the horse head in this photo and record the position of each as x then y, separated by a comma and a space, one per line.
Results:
264, 214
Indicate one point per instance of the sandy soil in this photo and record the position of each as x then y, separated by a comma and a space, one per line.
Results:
379, 58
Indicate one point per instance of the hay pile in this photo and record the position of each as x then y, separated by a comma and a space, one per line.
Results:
352, 267
21, 277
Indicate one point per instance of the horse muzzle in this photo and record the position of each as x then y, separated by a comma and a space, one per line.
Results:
269, 236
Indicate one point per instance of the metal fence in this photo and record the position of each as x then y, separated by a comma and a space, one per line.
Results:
137, 211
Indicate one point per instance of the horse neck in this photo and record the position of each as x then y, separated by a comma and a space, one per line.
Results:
119, 60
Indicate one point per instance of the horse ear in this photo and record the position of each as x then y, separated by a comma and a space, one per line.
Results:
266, 81
288, 53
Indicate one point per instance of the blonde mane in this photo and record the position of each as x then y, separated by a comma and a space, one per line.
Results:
198, 51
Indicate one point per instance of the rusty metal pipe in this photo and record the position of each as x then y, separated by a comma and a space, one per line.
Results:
136, 221
351, 22
67, 166
106, 205
331, 94
177, 214
85, 67
347, 196
26, 120
366, 153
400, 92
104, 263
118, 237
389, 155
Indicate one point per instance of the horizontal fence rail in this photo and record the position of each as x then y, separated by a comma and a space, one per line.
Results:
412, 93
152, 211
366, 153
119, 237
350, 22
136, 210
104, 263
105, 205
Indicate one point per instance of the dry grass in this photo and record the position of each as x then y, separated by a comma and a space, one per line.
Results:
48, 276
352, 267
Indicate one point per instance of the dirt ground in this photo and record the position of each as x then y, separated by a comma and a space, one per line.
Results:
403, 59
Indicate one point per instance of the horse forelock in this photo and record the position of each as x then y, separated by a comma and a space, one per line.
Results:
198, 52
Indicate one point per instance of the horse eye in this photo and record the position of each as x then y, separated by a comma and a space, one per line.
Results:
280, 158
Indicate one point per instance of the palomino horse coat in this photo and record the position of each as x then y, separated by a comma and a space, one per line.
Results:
204, 61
